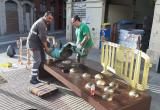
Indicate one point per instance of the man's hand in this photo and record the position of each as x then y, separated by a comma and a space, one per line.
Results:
48, 50
79, 46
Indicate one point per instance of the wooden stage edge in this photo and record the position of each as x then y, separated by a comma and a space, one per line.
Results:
140, 104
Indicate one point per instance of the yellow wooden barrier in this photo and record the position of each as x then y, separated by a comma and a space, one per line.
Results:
129, 64
108, 56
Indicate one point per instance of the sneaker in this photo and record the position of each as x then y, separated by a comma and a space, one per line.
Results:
34, 81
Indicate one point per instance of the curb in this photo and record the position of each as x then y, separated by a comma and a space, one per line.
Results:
7, 42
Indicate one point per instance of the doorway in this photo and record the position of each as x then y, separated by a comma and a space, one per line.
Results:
11, 17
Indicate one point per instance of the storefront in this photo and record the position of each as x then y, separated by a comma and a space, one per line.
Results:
16, 16
57, 7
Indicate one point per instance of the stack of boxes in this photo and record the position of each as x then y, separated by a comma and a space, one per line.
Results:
130, 38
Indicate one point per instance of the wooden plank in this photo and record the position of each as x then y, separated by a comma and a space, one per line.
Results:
121, 100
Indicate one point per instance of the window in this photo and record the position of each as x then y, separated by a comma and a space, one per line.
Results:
28, 8
79, 0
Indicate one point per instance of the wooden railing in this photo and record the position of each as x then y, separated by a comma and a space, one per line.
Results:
22, 50
132, 65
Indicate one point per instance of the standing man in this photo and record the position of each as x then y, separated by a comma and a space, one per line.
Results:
37, 43
84, 41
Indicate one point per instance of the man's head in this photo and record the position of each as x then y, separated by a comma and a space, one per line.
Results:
76, 21
48, 16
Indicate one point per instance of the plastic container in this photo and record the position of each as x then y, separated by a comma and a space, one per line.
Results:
105, 33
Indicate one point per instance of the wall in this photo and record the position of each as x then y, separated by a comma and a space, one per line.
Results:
94, 18
143, 8
3, 17
119, 9
119, 12
125, 9
68, 21
154, 47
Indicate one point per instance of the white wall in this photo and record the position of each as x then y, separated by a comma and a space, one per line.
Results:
3, 17
154, 47
68, 22
94, 18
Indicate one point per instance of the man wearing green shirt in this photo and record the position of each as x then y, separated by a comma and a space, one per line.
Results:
84, 41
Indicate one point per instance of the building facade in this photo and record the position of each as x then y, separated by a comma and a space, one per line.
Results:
16, 16
58, 7
154, 43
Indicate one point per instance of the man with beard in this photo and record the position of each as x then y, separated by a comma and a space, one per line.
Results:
37, 44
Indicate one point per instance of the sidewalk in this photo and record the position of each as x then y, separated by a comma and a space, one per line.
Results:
11, 39
8, 39
14, 95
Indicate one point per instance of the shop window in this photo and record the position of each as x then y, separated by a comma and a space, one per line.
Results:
28, 8
42, 7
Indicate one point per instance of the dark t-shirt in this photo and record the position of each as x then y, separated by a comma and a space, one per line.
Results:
37, 35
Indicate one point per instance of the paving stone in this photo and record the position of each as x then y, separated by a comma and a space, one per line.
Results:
15, 95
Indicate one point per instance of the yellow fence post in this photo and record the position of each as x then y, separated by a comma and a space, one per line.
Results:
126, 63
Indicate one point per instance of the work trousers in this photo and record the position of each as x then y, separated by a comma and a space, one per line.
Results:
38, 57
82, 59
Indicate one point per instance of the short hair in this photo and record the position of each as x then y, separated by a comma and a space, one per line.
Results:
76, 18
48, 13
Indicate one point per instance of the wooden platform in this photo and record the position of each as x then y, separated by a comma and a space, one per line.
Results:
74, 81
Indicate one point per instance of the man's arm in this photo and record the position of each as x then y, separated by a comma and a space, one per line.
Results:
85, 31
46, 48
42, 35
85, 39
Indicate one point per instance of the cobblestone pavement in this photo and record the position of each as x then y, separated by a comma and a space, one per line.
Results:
14, 95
